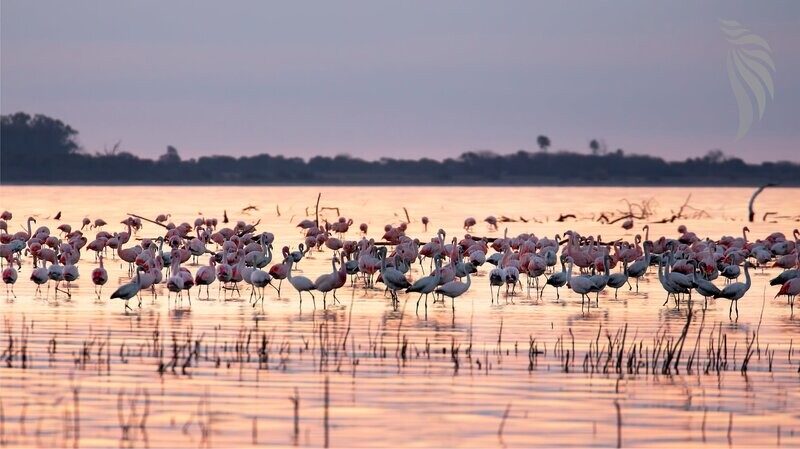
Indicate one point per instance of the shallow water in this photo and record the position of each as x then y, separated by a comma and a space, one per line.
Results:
95, 376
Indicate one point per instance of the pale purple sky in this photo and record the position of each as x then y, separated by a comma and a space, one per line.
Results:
400, 79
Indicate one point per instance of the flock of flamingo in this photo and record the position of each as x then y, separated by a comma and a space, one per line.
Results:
240, 254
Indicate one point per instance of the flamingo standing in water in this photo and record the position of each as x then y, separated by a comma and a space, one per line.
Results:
791, 289
279, 271
128, 290
175, 283
327, 282
206, 276
260, 279
300, 283
617, 280
557, 280
39, 275
393, 278
497, 278
427, 284
10, 275
579, 284
734, 292
99, 278
129, 255
639, 267
224, 273
56, 273
70, 275
469, 222
705, 287
454, 289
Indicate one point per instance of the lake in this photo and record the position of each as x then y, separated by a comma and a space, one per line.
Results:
527, 371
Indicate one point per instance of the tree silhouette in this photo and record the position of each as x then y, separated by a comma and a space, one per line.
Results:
36, 137
543, 142
40, 149
171, 157
715, 156
594, 145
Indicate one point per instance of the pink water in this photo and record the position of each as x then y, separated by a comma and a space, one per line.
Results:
431, 397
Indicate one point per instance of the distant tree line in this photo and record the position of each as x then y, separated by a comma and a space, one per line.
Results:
39, 149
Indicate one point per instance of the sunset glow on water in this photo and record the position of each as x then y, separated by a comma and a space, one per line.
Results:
529, 371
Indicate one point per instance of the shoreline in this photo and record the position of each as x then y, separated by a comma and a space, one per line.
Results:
399, 183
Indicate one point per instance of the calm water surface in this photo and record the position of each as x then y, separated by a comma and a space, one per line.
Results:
484, 375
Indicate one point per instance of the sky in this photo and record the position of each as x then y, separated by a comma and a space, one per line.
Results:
403, 79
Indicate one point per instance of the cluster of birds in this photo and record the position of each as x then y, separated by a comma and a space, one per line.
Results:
239, 254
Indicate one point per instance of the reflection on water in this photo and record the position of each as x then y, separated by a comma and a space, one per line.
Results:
535, 372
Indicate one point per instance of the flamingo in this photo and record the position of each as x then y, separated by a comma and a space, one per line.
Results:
128, 255
640, 266
427, 284
327, 282
670, 287
71, 274
206, 276
175, 283
785, 276
682, 281
791, 289
368, 265
497, 277
56, 273
706, 288
731, 272
197, 246
734, 292
600, 281
128, 290
491, 220
39, 275
297, 256
25, 236
557, 280
454, 289
125, 236
469, 222
512, 278
260, 279
341, 276
300, 283
617, 280
279, 271
393, 278
148, 279
579, 284
10, 275
224, 273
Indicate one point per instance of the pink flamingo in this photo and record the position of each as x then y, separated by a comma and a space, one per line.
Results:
280, 271
99, 278
791, 289
206, 276
10, 275
39, 275
327, 282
